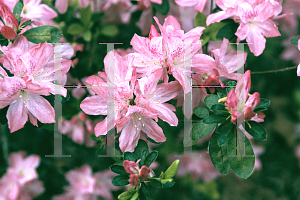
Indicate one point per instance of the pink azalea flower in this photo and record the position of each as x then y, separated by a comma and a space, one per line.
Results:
86, 186
146, 3
138, 122
78, 128
34, 74
31, 190
226, 65
199, 4
255, 24
97, 105
239, 105
182, 52
41, 14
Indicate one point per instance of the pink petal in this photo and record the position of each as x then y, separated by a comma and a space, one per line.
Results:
217, 17
94, 105
16, 122
129, 137
152, 130
40, 108
165, 112
203, 63
8, 32
256, 41
166, 91
268, 28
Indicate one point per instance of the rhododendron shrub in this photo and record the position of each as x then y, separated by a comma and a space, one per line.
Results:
138, 87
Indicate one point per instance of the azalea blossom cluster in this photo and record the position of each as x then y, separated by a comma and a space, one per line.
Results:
20, 182
32, 74
86, 185
138, 97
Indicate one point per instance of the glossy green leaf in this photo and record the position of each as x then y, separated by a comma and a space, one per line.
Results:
126, 195
129, 156
145, 192
231, 85
201, 130
172, 170
241, 156
212, 119
211, 100
118, 169
264, 103
87, 36
201, 112
150, 158
218, 155
41, 34
256, 130
141, 151
158, 184
120, 180
220, 109
226, 131
85, 15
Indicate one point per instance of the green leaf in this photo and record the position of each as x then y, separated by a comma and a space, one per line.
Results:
120, 180
212, 30
85, 15
96, 139
241, 163
141, 151
201, 112
162, 8
118, 169
219, 109
75, 29
212, 119
87, 36
227, 31
109, 30
264, 103
42, 34
18, 10
218, 155
150, 158
158, 184
3, 41
145, 192
256, 130
200, 20
294, 41
201, 130
172, 170
126, 195
25, 24
211, 100
231, 85
258, 110
135, 196
226, 131
129, 156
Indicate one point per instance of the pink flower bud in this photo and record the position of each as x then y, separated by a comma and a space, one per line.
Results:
130, 167
253, 100
134, 179
249, 113
144, 172
82, 116
234, 117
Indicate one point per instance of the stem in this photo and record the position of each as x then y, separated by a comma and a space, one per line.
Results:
275, 71
4, 140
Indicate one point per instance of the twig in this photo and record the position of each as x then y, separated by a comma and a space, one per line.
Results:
275, 71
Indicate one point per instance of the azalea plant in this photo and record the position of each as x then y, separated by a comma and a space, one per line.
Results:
181, 61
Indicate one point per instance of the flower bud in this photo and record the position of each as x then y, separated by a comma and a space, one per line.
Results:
144, 172
134, 179
212, 79
249, 113
130, 167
